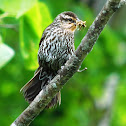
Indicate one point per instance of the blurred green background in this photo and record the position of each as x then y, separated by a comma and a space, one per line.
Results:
21, 25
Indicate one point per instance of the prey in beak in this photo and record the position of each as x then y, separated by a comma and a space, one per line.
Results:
80, 24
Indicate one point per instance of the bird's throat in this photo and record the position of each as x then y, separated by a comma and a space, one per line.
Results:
73, 28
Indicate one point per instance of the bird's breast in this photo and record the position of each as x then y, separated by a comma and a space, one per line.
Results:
56, 49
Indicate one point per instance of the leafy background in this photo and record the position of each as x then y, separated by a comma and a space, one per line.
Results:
21, 25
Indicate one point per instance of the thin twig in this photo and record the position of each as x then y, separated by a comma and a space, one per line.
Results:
13, 26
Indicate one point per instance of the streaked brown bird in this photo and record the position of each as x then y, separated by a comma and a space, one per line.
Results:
55, 48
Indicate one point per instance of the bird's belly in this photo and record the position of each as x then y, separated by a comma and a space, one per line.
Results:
55, 58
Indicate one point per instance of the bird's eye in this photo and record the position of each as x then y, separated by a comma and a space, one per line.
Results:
70, 19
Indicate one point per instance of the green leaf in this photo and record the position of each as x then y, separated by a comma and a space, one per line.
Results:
17, 7
31, 26
6, 54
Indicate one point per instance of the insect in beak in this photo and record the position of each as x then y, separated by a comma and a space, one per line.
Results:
80, 24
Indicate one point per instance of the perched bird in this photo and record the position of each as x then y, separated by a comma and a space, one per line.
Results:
55, 48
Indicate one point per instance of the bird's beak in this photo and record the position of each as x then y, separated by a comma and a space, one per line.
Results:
80, 24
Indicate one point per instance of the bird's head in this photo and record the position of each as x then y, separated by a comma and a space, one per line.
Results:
69, 21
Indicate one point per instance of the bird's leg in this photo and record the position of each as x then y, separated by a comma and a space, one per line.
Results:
50, 78
42, 75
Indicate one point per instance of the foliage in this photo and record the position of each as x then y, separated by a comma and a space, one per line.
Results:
21, 25
6, 53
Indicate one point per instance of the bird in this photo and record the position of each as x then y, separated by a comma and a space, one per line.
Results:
55, 48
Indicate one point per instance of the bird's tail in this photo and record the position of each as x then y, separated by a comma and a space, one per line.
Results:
31, 89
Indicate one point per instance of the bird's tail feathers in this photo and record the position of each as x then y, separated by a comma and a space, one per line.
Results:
29, 83
56, 100
31, 89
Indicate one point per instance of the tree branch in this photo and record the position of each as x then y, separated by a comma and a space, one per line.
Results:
71, 66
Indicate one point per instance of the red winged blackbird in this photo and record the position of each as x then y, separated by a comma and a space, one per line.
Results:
55, 48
